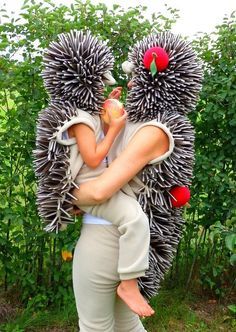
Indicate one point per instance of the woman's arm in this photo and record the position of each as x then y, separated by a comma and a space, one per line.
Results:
148, 143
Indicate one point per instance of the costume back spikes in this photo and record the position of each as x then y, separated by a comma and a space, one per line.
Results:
51, 166
74, 70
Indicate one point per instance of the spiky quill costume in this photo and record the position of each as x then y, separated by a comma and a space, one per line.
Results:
166, 96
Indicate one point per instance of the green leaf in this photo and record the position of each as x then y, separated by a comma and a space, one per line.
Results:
215, 272
230, 241
232, 259
232, 308
153, 68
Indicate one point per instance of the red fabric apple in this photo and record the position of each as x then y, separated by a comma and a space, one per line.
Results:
180, 196
156, 59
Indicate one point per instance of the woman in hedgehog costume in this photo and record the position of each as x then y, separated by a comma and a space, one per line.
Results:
156, 148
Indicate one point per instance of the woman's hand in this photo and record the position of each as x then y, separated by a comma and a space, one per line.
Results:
116, 93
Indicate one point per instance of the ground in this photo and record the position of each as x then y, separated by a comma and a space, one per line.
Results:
175, 312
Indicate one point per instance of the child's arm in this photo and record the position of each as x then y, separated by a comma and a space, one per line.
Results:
92, 152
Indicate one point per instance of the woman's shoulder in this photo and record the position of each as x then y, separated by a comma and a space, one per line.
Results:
151, 139
154, 130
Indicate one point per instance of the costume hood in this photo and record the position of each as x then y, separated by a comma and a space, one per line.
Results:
174, 88
76, 68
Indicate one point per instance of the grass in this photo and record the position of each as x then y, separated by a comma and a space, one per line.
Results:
48, 320
178, 312
175, 312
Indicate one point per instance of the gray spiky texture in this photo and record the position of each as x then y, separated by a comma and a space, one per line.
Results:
175, 89
51, 164
74, 69
166, 222
166, 232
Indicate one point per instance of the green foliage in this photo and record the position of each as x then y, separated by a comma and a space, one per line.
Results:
216, 127
232, 308
213, 214
39, 320
30, 259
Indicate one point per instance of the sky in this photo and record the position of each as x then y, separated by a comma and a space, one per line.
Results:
195, 16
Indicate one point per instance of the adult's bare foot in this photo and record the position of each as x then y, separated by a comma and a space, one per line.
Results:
129, 292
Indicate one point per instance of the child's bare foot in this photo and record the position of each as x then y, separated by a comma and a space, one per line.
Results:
129, 292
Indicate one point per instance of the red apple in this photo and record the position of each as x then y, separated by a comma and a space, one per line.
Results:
179, 196
159, 55
115, 108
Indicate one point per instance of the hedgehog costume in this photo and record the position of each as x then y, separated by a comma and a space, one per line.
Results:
162, 95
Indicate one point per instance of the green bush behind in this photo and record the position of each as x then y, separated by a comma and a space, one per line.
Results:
30, 259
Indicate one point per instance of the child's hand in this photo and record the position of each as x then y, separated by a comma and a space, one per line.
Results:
116, 93
117, 123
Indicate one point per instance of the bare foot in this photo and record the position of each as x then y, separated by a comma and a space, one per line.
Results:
129, 292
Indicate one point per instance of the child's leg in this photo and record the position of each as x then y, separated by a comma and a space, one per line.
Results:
125, 213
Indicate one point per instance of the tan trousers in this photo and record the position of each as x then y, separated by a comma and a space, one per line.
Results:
125, 212
95, 280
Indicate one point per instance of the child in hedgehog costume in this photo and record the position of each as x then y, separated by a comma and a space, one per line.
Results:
163, 93
75, 68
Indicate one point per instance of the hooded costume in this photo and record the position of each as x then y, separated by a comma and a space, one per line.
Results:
76, 69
